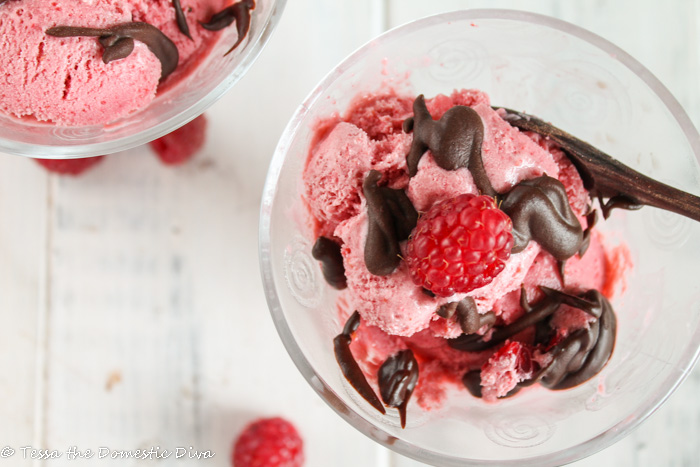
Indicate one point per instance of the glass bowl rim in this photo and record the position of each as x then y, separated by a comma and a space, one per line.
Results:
584, 449
250, 54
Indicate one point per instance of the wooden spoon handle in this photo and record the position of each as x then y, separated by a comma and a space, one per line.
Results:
604, 176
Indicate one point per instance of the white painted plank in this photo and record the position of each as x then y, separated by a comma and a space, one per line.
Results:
23, 201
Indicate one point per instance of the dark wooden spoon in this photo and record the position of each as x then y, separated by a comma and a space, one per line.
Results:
606, 177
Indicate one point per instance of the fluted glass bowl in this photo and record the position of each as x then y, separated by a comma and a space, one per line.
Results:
586, 86
170, 110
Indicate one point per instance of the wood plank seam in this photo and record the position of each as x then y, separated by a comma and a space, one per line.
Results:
42, 326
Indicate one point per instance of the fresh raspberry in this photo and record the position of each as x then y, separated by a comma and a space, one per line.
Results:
180, 145
268, 442
69, 166
510, 365
459, 245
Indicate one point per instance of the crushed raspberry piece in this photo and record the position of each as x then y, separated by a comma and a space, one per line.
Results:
380, 116
69, 166
511, 364
459, 245
180, 145
268, 442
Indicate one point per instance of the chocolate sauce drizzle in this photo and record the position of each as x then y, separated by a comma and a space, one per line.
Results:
454, 140
181, 20
524, 302
238, 12
475, 342
392, 217
581, 355
575, 359
620, 202
540, 211
468, 317
397, 378
472, 381
116, 48
327, 252
606, 177
348, 365
118, 42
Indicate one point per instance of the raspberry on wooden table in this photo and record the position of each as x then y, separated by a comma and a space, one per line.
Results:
459, 245
69, 166
268, 442
180, 145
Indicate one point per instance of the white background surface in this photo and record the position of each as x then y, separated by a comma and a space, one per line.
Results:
132, 310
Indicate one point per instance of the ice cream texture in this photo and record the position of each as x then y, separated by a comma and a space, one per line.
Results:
479, 338
104, 59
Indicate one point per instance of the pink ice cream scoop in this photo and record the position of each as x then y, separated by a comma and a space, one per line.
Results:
511, 332
79, 62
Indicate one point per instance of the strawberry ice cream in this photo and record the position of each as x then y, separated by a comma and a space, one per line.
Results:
83, 62
463, 240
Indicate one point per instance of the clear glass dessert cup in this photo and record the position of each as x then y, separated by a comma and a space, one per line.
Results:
171, 109
588, 87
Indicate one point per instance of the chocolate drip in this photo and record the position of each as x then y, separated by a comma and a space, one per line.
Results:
220, 20
352, 324
567, 299
524, 302
591, 220
348, 365
454, 140
585, 352
475, 342
392, 217
561, 267
116, 42
327, 252
606, 177
238, 12
447, 310
620, 202
2, 1
181, 20
472, 381
116, 48
540, 211
544, 333
429, 293
397, 379
468, 317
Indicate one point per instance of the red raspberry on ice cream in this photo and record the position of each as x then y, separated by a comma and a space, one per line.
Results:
69, 166
269, 442
180, 145
459, 245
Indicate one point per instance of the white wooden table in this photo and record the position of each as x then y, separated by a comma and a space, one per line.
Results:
132, 311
